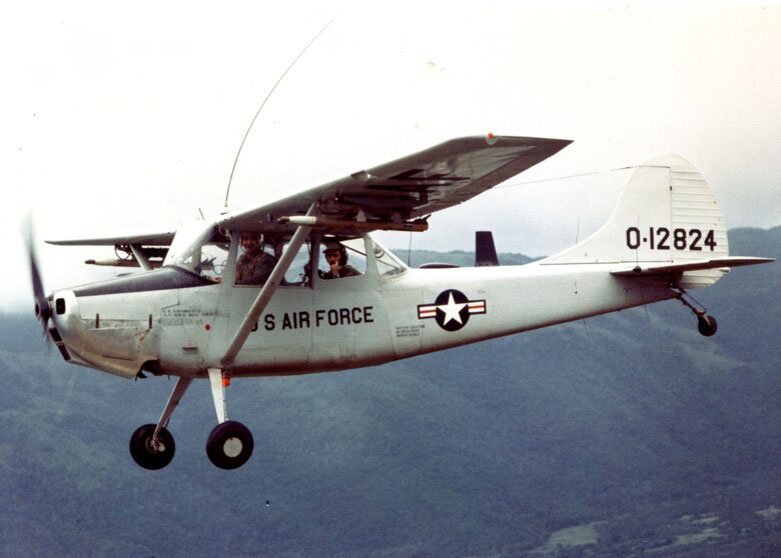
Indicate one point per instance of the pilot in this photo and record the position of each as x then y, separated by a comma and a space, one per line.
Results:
255, 265
336, 257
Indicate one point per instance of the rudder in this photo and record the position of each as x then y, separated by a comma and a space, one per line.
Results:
666, 213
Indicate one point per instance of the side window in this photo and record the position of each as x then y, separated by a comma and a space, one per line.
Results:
299, 273
254, 264
340, 258
387, 263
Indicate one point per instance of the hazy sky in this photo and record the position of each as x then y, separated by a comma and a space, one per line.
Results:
120, 118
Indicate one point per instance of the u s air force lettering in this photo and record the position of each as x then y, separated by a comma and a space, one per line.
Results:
330, 317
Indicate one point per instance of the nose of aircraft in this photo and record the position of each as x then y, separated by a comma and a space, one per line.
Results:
62, 308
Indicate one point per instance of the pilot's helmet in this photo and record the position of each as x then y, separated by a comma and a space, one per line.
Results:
336, 248
333, 247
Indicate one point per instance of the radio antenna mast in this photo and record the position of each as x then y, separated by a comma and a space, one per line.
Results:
263, 104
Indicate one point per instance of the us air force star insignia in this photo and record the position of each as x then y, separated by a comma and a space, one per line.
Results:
451, 309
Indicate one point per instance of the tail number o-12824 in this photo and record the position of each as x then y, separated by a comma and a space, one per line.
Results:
661, 238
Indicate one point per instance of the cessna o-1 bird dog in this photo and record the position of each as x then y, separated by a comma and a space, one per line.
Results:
249, 294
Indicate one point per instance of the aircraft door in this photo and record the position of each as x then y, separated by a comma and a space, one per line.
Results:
281, 339
349, 317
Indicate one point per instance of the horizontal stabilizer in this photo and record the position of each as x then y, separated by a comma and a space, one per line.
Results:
661, 268
437, 265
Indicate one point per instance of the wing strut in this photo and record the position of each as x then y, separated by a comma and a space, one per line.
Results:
265, 294
140, 256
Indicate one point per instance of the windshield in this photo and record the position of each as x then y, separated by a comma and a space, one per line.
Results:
200, 248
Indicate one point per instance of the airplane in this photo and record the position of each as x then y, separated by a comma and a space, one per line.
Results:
250, 293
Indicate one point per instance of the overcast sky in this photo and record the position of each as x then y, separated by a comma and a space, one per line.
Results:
115, 119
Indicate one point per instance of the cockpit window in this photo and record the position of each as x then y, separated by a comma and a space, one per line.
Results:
200, 249
257, 256
254, 263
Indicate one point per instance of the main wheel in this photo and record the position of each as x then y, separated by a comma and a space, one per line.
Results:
145, 454
707, 325
229, 445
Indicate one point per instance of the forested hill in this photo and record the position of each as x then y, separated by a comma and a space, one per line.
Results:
416, 258
618, 435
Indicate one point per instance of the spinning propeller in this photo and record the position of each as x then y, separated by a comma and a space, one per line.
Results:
42, 308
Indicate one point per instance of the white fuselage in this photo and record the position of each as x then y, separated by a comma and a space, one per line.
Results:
336, 324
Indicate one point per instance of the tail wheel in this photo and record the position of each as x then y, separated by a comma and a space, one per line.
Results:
707, 325
148, 455
230, 445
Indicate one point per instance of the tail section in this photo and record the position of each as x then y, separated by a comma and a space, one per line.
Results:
667, 214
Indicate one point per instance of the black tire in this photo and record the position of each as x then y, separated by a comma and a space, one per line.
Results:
707, 325
230, 445
144, 454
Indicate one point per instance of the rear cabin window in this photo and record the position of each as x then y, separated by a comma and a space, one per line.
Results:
341, 259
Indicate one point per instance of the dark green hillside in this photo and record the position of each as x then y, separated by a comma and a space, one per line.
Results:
756, 242
618, 435
417, 258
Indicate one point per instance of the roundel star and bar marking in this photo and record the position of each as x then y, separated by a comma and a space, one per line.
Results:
451, 309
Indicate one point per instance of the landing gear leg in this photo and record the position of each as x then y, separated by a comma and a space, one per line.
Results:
230, 444
706, 324
151, 445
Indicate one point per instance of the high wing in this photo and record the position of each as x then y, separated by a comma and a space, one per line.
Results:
394, 194
384, 197
163, 238
145, 250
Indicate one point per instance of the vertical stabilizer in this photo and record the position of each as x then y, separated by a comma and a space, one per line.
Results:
666, 213
485, 250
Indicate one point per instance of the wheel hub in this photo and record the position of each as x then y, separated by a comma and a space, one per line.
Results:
150, 452
155, 446
232, 447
